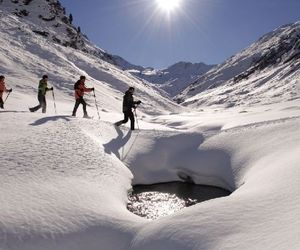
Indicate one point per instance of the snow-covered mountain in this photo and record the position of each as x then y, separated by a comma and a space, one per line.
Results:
37, 38
268, 71
51, 21
173, 79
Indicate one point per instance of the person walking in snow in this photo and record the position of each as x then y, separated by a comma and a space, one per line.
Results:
128, 105
2, 90
80, 89
42, 89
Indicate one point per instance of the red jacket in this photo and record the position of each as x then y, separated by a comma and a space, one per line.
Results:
2, 88
80, 89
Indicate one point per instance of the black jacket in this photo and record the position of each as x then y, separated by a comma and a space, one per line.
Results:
128, 102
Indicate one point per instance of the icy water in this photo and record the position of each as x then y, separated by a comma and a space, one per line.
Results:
158, 200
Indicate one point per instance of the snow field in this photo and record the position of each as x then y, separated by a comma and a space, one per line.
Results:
64, 180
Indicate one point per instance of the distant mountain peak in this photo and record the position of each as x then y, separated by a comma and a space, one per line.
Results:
173, 79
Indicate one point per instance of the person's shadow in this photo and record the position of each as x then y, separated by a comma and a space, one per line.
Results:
50, 118
115, 144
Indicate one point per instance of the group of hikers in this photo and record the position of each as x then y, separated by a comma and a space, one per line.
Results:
79, 88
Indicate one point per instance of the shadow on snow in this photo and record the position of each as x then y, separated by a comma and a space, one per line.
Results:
50, 118
119, 142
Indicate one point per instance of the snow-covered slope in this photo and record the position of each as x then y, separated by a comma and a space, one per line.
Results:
266, 72
173, 79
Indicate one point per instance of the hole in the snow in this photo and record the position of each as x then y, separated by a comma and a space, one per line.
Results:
158, 200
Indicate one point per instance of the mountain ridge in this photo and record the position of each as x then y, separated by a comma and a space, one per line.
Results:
265, 72
172, 79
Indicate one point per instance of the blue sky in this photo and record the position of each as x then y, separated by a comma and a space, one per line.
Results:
206, 31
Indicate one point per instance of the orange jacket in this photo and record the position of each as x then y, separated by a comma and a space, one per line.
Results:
2, 88
79, 91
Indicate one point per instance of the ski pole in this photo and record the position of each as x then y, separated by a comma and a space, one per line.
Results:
7, 96
137, 121
54, 101
96, 104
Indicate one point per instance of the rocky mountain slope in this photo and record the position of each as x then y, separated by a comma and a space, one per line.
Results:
49, 20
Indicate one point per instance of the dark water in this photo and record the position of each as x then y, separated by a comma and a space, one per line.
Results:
158, 200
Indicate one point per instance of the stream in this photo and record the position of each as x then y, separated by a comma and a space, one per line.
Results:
162, 199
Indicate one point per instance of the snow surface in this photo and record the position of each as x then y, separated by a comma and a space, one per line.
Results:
64, 180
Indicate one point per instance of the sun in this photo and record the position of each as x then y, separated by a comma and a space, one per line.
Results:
168, 5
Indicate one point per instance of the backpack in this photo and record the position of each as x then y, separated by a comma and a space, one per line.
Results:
76, 85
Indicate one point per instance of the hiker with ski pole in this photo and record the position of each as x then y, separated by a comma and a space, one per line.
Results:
80, 89
2, 90
42, 90
128, 105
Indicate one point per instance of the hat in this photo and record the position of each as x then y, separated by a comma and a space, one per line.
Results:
45, 76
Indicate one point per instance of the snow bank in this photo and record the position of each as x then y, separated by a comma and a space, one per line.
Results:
54, 186
261, 212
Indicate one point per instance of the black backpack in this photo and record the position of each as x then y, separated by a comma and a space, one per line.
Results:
76, 85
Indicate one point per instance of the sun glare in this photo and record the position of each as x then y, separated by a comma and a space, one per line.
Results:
168, 5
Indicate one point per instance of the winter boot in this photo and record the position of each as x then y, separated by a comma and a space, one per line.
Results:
87, 116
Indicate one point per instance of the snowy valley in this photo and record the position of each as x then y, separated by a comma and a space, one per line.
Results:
64, 181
